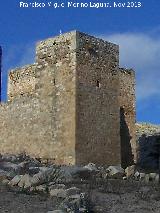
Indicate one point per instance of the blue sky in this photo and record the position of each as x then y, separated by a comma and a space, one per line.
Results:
136, 30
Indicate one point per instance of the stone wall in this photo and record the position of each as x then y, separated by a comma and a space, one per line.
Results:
66, 105
19, 126
21, 82
56, 73
97, 107
128, 116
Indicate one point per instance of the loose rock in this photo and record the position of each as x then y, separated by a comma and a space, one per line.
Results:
72, 191
115, 171
129, 171
15, 180
60, 193
25, 181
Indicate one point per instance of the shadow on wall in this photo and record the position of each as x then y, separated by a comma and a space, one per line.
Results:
149, 152
127, 157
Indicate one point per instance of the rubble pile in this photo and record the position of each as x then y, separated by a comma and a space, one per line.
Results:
33, 175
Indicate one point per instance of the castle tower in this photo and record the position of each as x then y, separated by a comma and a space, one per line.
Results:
67, 106
78, 82
0, 73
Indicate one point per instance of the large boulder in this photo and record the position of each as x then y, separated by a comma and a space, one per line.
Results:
115, 171
15, 180
53, 174
25, 181
77, 172
129, 171
20, 168
91, 167
9, 158
8, 166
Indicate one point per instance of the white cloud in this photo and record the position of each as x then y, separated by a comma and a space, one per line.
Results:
142, 53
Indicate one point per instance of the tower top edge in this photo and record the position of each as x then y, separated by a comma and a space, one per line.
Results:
73, 33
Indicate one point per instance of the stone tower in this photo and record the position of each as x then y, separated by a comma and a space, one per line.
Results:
83, 97
66, 106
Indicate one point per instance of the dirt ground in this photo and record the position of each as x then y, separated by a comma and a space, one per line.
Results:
12, 201
112, 198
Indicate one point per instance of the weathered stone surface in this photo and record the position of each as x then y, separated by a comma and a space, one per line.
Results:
9, 157
21, 82
8, 166
25, 181
75, 203
56, 186
72, 191
66, 106
147, 128
152, 176
148, 138
91, 167
41, 188
129, 145
5, 181
33, 170
136, 175
157, 178
61, 193
15, 180
115, 171
48, 175
129, 171
146, 178
5, 174
142, 175
80, 172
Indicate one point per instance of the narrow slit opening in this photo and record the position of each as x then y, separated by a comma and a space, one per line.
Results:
98, 84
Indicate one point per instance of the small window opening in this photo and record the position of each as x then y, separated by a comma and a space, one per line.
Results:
98, 85
54, 81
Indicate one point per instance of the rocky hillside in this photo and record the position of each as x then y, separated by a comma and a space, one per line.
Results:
148, 138
147, 129
37, 186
